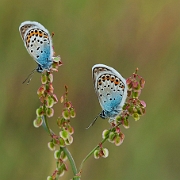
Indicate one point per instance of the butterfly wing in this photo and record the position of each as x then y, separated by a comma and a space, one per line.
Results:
110, 88
38, 42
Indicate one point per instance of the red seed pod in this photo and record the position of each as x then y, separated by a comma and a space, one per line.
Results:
142, 83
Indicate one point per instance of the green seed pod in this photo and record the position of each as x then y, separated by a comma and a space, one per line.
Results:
96, 154
66, 114
51, 146
105, 153
105, 133
44, 78
38, 122
49, 112
136, 116
39, 111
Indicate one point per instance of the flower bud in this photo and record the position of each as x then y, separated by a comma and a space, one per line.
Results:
96, 154
105, 133
63, 156
72, 113
57, 59
39, 111
61, 142
64, 134
49, 178
69, 140
60, 121
126, 123
70, 129
43, 79
51, 146
105, 153
129, 93
41, 90
142, 83
143, 110
54, 98
136, 85
112, 135
50, 88
60, 171
62, 99
136, 116
50, 77
143, 104
130, 109
66, 114
129, 83
117, 141
135, 94
68, 104
55, 141
55, 66
49, 101
139, 111
57, 154
38, 122
49, 112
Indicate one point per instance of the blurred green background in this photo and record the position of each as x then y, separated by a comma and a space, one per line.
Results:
122, 34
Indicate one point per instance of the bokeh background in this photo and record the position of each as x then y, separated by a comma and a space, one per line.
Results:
122, 34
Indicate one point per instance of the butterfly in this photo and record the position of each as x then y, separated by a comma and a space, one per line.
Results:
111, 90
38, 43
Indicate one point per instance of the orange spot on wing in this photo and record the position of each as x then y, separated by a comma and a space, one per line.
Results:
116, 82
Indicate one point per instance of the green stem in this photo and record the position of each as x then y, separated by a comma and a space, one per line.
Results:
102, 142
82, 163
46, 125
68, 154
72, 162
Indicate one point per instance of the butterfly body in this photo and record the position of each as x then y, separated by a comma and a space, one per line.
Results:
38, 43
111, 90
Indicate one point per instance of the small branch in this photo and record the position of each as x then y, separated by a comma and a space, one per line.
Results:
82, 163
72, 162
46, 125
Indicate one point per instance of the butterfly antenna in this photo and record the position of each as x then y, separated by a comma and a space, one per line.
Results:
29, 76
93, 121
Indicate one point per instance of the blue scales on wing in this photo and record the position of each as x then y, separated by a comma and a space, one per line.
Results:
39, 47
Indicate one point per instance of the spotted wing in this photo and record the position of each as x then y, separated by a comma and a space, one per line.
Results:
110, 87
38, 43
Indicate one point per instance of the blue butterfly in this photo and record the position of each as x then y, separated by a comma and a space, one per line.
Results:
111, 90
38, 43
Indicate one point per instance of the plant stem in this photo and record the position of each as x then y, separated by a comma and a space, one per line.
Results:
46, 125
102, 142
91, 152
72, 162
68, 154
